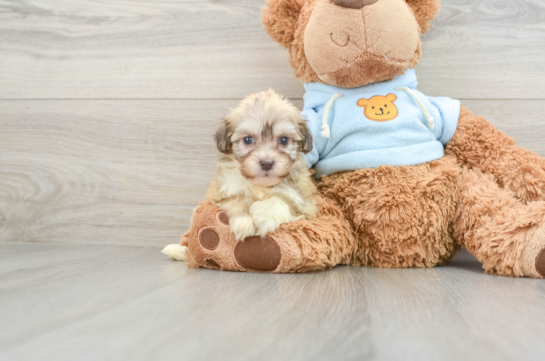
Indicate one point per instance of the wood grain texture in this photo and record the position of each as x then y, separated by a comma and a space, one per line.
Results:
126, 172
131, 172
486, 49
122, 303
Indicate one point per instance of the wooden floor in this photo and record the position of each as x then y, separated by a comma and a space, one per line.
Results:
86, 302
107, 110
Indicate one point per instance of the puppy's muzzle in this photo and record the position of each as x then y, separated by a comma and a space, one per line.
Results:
266, 164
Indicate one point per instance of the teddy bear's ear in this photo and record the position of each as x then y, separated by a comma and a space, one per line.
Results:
362, 103
280, 18
425, 11
391, 97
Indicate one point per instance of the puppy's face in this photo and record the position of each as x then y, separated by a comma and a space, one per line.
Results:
265, 134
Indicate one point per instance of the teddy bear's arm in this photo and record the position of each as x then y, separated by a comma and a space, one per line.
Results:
478, 144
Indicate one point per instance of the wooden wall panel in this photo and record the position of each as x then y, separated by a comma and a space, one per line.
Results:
130, 172
486, 49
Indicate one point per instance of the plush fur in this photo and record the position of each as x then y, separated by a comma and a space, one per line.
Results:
425, 11
486, 194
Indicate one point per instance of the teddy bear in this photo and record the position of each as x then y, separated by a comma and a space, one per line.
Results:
404, 179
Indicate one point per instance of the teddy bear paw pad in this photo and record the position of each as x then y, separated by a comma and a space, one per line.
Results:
540, 263
223, 218
258, 253
209, 239
212, 264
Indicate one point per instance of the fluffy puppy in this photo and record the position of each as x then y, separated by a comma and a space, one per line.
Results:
262, 179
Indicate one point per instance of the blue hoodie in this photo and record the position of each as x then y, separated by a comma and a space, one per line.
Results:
388, 123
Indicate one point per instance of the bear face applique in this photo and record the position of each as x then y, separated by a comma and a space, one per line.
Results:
379, 108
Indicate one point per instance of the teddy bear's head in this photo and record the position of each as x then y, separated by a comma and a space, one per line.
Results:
350, 43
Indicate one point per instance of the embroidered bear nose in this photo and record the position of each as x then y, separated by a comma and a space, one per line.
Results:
353, 4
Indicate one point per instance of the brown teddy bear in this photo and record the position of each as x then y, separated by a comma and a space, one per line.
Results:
404, 182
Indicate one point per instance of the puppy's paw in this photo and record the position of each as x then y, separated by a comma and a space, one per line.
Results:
269, 214
242, 226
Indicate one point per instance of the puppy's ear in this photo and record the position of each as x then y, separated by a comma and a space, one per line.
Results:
306, 142
223, 138
280, 19
425, 11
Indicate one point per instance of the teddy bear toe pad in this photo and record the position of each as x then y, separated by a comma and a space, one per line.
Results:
223, 218
540, 263
533, 256
209, 239
258, 253
537, 248
212, 264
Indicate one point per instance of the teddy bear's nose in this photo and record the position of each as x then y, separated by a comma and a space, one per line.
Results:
353, 4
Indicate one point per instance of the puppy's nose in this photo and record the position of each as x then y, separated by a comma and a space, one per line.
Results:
266, 164
353, 4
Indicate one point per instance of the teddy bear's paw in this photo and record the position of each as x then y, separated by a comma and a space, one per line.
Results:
533, 258
212, 244
253, 252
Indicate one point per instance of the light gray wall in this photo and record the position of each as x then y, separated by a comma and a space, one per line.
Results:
107, 109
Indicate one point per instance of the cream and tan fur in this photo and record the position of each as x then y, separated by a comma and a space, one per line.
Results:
256, 199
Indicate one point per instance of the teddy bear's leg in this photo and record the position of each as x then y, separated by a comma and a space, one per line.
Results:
504, 233
402, 215
478, 145
300, 246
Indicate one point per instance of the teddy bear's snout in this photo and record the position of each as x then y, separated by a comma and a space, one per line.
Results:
353, 4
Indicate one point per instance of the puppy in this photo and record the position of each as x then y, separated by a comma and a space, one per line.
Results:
262, 179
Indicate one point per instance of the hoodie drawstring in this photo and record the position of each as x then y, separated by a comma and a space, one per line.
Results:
431, 121
325, 127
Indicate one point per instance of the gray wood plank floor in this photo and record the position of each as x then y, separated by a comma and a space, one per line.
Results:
84, 302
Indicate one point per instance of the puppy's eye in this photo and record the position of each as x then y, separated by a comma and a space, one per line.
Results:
385, 106
373, 107
248, 140
283, 141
